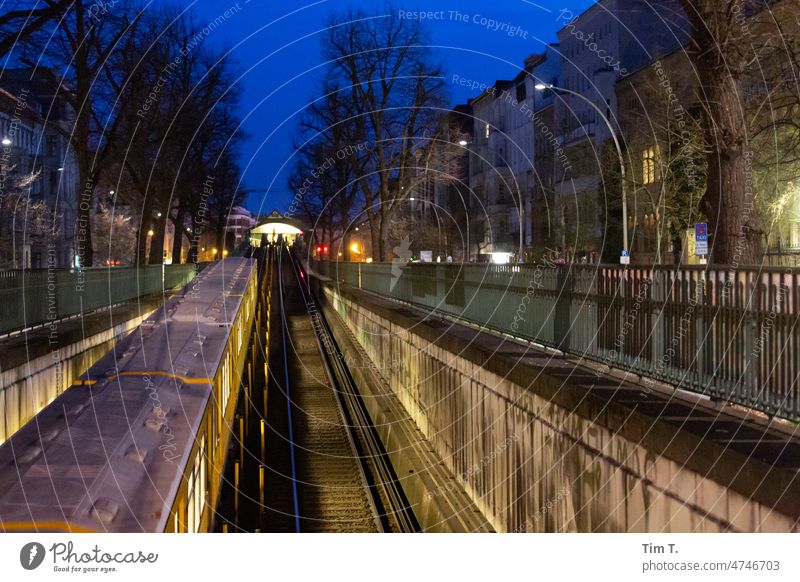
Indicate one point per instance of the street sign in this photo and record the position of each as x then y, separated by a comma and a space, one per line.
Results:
701, 239
624, 258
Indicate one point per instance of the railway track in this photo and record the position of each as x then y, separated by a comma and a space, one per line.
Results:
326, 468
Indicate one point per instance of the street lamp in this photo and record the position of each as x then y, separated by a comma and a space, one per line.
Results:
7, 141
557, 90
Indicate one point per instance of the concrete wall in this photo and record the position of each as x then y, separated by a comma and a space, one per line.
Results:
535, 458
34, 372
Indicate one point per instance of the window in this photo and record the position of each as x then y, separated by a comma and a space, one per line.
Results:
486, 131
51, 145
226, 384
196, 490
521, 92
649, 160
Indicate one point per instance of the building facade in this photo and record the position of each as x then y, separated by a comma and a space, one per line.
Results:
38, 177
599, 47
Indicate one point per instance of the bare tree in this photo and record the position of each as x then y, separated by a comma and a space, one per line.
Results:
113, 234
184, 120
23, 220
395, 94
78, 51
24, 18
731, 40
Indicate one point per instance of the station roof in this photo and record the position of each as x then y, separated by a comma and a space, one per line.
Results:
276, 223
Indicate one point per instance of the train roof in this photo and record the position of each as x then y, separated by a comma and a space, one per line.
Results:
108, 454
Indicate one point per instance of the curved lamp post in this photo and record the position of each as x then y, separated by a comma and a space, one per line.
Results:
557, 90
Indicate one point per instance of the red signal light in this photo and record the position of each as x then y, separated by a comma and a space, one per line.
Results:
325, 249
319, 249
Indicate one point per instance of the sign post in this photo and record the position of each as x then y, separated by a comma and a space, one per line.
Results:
701, 239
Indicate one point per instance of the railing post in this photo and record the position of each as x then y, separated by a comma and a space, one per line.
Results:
563, 309
658, 301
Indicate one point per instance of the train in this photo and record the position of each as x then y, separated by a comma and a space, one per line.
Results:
139, 442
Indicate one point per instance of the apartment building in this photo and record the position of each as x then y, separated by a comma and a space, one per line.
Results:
38, 176
598, 48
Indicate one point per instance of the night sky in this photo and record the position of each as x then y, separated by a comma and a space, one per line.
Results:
277, 45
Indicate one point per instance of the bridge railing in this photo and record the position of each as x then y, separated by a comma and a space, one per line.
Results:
35, 297
730, 334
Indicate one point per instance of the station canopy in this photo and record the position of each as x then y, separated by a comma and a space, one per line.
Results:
273, 226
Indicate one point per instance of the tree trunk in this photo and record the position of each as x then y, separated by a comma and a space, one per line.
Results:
145, 223
383, 234
157, 242
177, 240
728, 201
730, 207
80, 142
83, 215
195, 239
221, 240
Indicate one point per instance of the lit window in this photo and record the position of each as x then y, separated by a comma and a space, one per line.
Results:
196, 490
486, 131
649, 161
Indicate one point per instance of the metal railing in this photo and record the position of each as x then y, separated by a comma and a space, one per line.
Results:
29, 298
729, 334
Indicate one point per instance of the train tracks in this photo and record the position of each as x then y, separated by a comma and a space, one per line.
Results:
326, 467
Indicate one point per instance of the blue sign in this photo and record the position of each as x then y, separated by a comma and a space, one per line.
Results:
701, 239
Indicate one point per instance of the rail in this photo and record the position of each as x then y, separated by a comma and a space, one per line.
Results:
287, 388
30, 298
375, 466
730, 334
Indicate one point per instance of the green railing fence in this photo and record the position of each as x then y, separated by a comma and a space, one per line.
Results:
731, 334
34, 297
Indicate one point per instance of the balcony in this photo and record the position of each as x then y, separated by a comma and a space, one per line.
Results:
587, 130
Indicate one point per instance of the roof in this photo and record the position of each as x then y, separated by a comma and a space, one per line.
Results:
109, 453
275, 223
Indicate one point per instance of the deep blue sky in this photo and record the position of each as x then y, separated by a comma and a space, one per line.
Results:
277, 44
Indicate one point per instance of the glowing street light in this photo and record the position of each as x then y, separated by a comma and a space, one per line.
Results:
7, 141
463, 143
150, 232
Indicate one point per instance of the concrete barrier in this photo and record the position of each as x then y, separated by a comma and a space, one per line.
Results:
36, 367
538, 450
